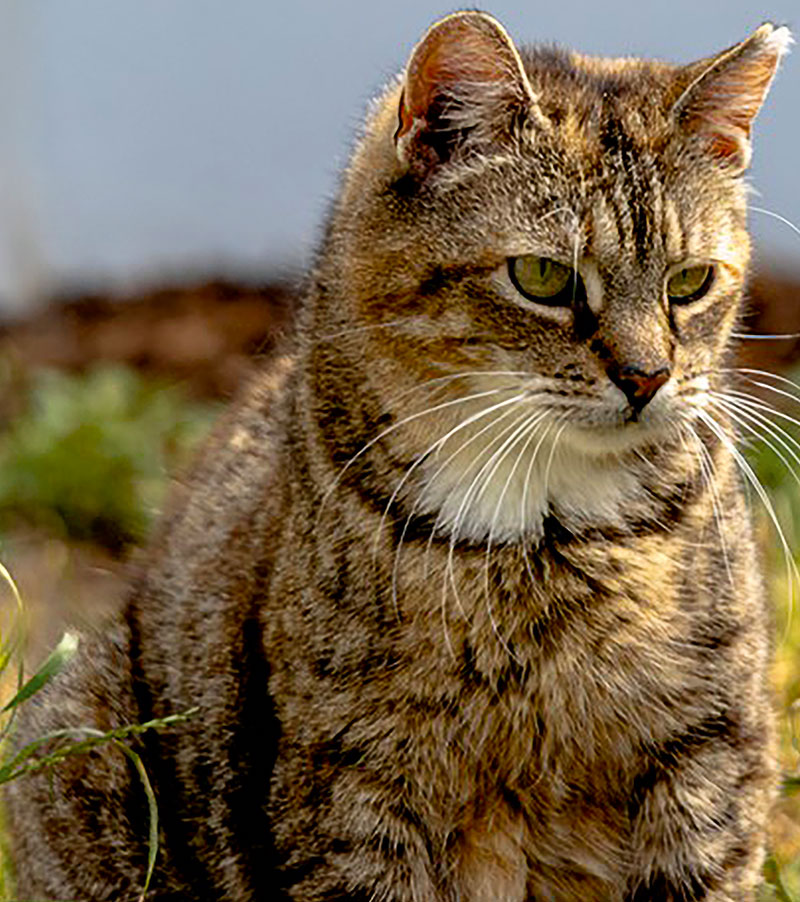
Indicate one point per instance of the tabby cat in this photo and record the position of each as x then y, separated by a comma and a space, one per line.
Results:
464, 586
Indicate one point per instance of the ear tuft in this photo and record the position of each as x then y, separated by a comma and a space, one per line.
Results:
780, 38
464, 76
725, 93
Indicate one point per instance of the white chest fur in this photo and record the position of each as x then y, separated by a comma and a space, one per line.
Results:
502, 490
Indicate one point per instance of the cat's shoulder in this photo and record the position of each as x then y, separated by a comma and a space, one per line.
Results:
235, 478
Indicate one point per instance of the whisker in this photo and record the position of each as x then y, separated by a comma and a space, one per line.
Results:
708, 471
747, 413
749, 420
421, 496
485, 477
408, 419
531, 382
463, 507
528, 432
448, 577
747, 472
749, 371
764, 336
440, 518
756, 404
552, 455
435, 447
746, 418
774, 215
452, 456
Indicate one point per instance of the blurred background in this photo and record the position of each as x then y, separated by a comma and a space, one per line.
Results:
165, 167
149, 140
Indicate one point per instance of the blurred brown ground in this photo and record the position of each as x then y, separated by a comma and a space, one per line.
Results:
206, 335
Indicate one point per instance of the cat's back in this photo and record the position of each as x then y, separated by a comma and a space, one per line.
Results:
188, 639
196, 581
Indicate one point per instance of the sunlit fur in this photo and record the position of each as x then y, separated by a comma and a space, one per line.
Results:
464, 623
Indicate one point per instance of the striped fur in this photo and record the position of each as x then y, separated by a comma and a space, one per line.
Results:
462, 623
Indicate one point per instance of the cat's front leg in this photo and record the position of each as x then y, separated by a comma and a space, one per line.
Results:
350, 837
699, 811
361, 872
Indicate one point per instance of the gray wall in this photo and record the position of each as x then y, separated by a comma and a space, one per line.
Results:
142, 136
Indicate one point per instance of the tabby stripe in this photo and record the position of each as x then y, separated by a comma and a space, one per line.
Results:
667, 757
690, 887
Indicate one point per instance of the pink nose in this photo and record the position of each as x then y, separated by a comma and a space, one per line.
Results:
637, 385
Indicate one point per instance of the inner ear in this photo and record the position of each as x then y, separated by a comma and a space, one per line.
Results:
725, 93
464, 77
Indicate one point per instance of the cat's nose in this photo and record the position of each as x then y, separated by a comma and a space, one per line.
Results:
638, 385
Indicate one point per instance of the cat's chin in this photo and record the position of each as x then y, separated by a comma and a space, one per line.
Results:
602, 441
586, 477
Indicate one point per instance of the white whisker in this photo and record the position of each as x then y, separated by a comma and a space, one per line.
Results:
792, 575
467, 374
436, 447
464, 506
756, 404
478, 486
748, 421
509, 402
440, 518
774, 215
763, 336
749, 371
708, 471
405, 421
552, 455
528, 432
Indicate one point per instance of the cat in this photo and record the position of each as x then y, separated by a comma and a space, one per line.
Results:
464, 586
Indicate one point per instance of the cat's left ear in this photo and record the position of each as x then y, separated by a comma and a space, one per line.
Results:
725, 93
464, 81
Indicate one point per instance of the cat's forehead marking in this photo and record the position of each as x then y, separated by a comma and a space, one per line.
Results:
673, 232
720, 242
593, 284
604, 229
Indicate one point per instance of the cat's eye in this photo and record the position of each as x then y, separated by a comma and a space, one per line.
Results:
690, 283
541, 279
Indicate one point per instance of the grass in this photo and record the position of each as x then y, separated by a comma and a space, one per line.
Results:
49, 750
88, 457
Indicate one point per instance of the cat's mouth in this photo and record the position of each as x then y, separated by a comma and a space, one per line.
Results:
615, 430
632, 415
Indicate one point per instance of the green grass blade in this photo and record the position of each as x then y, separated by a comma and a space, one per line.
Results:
152, 841
55, 662
772, 873
17, 766
21, 764
10, 644
790, 784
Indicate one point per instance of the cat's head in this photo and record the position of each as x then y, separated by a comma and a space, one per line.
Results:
536, 221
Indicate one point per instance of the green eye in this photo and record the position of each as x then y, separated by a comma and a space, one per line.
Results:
690, 283
541, 279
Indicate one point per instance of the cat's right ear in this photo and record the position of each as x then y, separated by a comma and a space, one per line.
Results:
725, 93
464, 82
